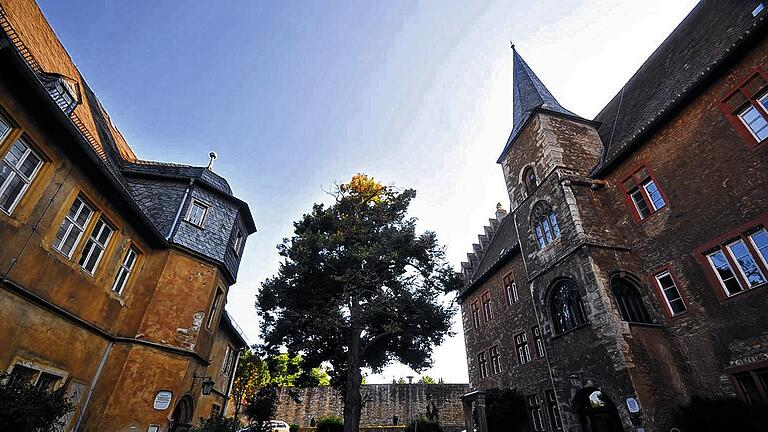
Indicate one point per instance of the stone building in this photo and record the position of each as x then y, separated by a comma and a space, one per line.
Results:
114, 271
384, 405
630, 273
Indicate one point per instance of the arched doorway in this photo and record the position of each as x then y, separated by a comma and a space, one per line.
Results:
181, 419
597, 412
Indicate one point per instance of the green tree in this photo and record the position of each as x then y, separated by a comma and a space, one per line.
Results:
25, 408
426, 379
358, 287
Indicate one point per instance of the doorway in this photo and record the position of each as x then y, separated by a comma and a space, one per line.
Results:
181, 419
597, 412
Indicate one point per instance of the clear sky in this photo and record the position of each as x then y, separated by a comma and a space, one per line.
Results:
297, 95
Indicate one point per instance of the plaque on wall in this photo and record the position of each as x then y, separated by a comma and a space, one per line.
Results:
163, 400
632, 405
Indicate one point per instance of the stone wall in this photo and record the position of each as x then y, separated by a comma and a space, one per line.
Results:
381, 403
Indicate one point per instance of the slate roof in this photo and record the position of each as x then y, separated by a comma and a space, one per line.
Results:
703, 40
503, 243
529, 94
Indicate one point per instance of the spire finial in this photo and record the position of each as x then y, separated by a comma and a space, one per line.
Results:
512, 45
212, 155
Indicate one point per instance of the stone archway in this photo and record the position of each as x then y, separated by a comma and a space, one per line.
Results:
597, 413
181, 418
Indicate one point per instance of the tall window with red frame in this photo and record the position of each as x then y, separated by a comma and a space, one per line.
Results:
643, 194
747, 107
741, 263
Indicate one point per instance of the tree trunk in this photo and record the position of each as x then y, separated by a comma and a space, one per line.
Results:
353, 399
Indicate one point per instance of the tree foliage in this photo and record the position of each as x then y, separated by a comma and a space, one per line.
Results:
216, 424
25, 408
359, 287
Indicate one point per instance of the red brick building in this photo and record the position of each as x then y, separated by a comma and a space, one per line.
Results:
631, 271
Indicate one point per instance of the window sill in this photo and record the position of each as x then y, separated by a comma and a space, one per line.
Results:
743, 292
567, 332
651, 216
646, 325
194, 224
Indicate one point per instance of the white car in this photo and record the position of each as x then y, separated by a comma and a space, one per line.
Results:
272, 425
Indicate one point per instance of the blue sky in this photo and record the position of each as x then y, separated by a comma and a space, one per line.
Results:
295, 96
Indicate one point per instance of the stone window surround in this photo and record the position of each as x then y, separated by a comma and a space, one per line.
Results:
668, 267
628, 199
742, 231
732, 112
40, 368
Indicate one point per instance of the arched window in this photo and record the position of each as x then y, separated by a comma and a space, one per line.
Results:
544, 222
565, 306
529, 179
629, 300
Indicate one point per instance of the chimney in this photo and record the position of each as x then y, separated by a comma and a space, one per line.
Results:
500, 212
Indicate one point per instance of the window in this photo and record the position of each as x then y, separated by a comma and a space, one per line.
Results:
72, 227
482, 365
566, 307
94, 247
487, 306
521, 346
629, 301
747, 108
238, 243
538, 341
197, 213
47, 381
511, 288
476, 314
126, 268
215, 410
495, 359
19, 167
741, 264
545, 224
537, 415
673, 301
21, 374
753, 385
5, 127
554, 411
644, 194
215, 306
229, 361
529, 179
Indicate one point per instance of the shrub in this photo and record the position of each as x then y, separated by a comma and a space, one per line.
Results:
422, 424
294, 427
215, 424
24, 408
330, 424
723, 414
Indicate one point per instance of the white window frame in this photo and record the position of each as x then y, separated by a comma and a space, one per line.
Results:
487, 306
475, 311
512, 296
754, 245
738, 264
521, 346
495, 360
17, 173
762, 101
126, 270
84, 204
196, 202
217, 300
648, 194
237, 245
8, 126
102, 248
713, 267
667, 303
482, 365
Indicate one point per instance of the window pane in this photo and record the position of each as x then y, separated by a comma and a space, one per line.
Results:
22, 375
553, 223
16, 153
760, 242
547, 230
755, 122
540, 236
30, 164
4, 127
746, 262
642, 207
670, 292
749, 388
657, 201
11, 191
725, 273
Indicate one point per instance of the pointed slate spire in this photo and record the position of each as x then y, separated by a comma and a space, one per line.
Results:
528, 95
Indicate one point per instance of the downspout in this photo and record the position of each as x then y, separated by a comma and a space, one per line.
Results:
94, 381
178, 212
231, 382
538, 320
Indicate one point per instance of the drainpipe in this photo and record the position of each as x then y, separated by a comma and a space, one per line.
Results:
94, 381
538, 320
231, 382
178, 212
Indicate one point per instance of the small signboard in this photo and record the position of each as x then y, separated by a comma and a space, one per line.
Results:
632, 405
163, 400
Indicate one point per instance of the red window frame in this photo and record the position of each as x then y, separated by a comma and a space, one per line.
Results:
639, 175
475, 314
487, 306
660, 294
750, 369
741, 232
507, 280
749, 92
482, 365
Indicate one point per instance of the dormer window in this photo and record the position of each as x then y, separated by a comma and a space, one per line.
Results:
197, 213
529, 179
63, 90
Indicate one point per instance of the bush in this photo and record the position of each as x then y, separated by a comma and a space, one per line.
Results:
215, 424
294, 427
723, 414
330, 424
422, 424
24, 408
